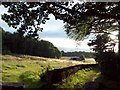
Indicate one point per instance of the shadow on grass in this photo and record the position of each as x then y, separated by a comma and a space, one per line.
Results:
102, 83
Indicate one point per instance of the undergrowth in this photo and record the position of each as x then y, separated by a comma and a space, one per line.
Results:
79, 79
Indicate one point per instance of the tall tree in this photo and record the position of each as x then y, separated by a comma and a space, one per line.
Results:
85, 17
81, 18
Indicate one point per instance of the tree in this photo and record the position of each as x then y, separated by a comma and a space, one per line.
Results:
63, 53
82, 57
102, 43
81, 18
84, 17
15, 44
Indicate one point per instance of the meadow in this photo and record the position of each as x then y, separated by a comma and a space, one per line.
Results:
29, 69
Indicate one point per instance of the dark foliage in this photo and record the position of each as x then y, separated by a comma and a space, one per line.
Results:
106, 57
23, 45
81, 18
79, 54
102, 43
85, 17
12, 86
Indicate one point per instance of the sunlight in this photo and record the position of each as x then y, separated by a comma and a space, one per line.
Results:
114, 35
67, 44
115, 38
116, 48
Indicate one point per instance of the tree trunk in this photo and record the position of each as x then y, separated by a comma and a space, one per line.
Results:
119, 39
118, 59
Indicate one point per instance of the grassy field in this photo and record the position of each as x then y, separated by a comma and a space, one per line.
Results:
28, 69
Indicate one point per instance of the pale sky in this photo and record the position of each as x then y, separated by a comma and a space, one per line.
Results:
53, 31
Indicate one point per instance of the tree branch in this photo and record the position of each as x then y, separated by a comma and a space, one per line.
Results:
87, 13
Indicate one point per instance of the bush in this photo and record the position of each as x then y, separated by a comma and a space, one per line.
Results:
108, 62
30, 79
6, 52
82, 57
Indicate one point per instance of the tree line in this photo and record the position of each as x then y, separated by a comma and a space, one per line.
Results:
79, 53
12, 42
82, 19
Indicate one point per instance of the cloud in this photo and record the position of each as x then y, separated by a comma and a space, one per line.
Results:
67, 44
52, 24
3, 24
53, 34
53, 28
53, 31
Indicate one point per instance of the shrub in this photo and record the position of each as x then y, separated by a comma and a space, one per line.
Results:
30, 79
6, 52
108, 62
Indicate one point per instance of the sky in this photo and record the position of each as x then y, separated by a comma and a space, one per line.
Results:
53, 31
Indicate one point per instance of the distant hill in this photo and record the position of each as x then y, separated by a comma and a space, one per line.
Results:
71, 54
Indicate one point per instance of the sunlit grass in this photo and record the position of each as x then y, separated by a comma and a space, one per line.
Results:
17, 66
79, 78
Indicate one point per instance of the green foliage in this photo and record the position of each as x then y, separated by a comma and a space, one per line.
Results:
81, 18
30, 78
79, 78
102, 43
33, 19
79, 29
6, 52
79, 53
13, 43
82, 57
105, 56
16, 66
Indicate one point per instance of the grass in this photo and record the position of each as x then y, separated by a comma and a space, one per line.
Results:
28, 69
79, 78
13, 67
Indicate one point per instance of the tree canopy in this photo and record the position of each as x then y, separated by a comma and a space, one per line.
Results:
81, 18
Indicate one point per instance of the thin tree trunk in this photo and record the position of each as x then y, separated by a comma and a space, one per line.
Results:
118, 59
119, 39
